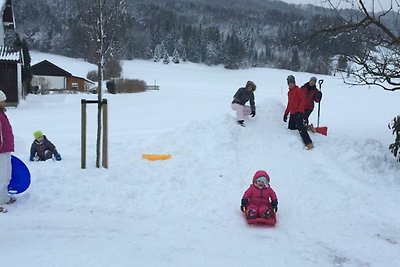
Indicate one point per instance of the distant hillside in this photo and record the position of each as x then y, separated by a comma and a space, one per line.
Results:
234, 33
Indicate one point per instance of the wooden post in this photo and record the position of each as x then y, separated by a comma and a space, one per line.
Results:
105, 134
83, 134
103, 105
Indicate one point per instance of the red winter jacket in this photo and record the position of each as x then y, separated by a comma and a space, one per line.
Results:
259, 197
6, 134
311, 94
296, 101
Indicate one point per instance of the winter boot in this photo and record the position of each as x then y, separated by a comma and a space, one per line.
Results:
11, 200
267, 214
241, 123
309, 146
311, 128
251, 214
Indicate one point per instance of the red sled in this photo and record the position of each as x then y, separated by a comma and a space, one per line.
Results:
271, 221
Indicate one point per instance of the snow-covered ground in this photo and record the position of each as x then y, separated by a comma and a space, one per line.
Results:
338, 204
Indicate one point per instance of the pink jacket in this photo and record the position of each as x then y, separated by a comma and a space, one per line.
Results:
259, 197
6, 134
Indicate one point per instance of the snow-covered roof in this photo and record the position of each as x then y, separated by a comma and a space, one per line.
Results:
9, 54
2, 4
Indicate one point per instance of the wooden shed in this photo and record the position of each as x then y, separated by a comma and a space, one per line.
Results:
47, 76
11, 74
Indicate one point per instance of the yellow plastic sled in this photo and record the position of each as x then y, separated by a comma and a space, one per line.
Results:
156, 156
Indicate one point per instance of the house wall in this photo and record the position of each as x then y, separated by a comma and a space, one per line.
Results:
74, 80
49, 82
2, 34
9, 81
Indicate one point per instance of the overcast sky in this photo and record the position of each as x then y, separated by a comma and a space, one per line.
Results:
379, 4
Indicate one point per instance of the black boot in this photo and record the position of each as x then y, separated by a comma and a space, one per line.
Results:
267, 214
241, 123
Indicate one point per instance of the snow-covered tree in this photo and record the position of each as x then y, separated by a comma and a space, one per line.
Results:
157, 53
395, 147
166, 57
377, 62
184, 58
342, 63
175, 56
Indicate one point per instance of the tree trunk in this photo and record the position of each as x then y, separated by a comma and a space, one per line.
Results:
100, 84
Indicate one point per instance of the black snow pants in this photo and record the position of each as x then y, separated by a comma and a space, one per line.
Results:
296, 123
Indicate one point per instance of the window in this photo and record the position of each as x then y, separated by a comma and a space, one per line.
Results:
75, 86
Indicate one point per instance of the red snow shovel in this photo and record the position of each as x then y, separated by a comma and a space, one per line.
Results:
323, 129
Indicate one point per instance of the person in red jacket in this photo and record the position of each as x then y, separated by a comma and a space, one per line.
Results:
312, 95
6, 147
295, 108
259, 200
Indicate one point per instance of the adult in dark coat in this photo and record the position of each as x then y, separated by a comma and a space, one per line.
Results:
42, 149
312, 95
241, 97
295, 108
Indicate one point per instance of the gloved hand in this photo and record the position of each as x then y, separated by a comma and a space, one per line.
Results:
35, 158
274, 205
285, 118
253, 113
318, 96
305, 121
244, 204
58, 157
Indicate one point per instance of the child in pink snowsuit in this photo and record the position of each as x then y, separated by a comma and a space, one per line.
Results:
259, 200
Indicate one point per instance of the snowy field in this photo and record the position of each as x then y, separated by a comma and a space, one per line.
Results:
338, 204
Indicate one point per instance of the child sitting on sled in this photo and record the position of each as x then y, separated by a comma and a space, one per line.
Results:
42, 149
259, 200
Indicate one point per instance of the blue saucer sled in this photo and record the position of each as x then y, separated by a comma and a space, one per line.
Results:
20, 176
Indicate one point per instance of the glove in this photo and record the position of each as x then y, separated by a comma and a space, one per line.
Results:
58, 157
245, 202
274, 205
305, 121
35, 158
285, 118
253, 113
318, 96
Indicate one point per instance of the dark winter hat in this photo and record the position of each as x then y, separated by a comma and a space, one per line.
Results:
251, 84
290, 79
3, 96
313, 79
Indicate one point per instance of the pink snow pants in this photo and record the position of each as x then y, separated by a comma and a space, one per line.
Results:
241, 111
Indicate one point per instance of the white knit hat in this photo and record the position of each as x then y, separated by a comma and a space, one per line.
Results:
2, 96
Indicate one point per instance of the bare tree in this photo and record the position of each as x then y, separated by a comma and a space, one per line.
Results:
104, 21
378, 62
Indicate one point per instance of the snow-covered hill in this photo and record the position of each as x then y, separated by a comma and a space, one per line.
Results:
338, 204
